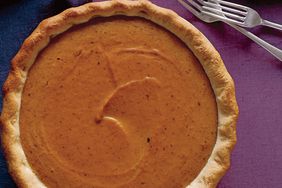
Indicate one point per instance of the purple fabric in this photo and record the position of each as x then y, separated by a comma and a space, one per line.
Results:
257, 157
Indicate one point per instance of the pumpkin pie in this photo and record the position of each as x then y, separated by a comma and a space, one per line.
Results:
118, 94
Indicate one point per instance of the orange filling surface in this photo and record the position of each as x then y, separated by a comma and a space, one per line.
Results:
117, 102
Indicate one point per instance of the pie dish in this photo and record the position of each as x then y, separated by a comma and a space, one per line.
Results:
118, 94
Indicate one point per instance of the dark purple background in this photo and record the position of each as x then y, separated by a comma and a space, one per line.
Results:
257, 157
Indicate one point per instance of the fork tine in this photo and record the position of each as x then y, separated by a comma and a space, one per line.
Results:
218, 11
196, 5
190, 8
220, 17
234, 5
231, 10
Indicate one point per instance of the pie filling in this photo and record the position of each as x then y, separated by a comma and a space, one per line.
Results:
117, 102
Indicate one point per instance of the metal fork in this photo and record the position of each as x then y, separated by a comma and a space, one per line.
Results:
235, 14
200, 13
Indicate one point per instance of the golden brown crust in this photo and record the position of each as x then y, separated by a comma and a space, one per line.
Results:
211, 61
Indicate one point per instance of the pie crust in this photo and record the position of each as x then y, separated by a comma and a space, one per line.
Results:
209, 58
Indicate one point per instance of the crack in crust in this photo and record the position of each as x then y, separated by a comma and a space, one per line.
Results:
209, 58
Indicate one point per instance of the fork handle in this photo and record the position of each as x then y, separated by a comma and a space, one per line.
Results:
270, 48
271, 24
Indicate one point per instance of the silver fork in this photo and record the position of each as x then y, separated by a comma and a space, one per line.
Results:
235, 14
199, 12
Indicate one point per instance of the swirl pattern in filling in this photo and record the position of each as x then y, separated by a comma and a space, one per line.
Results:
117, 102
